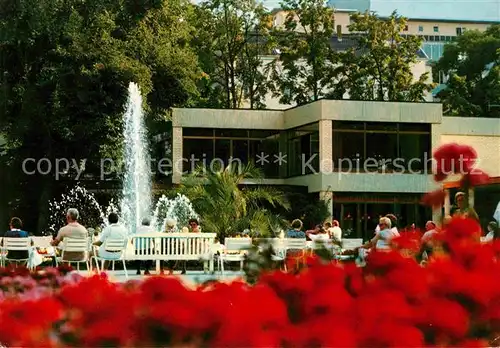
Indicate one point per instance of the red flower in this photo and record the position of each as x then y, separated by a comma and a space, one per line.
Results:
390, 334
408, 240
434, 199
474, 178
454, 159
461, 229
443, 317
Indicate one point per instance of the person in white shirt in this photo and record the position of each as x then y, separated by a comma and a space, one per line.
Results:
113, 231
318, 236
394, 228
335, 230
145, 228
493, 232
382, 240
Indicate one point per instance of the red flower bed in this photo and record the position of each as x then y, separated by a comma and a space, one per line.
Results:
392, 302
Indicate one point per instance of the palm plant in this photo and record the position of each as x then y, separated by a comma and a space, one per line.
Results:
226, 206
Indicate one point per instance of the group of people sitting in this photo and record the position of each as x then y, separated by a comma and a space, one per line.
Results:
327, 231
73, 229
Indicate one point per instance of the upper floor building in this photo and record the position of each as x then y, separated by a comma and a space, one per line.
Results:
427, 19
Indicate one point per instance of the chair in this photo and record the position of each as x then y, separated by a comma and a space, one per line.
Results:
238, 245
116, 245
283, 246
16, 244
76, 245
351, 243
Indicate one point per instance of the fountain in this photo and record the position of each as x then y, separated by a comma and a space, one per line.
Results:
135, 202
136, 190
91, 214
179, 209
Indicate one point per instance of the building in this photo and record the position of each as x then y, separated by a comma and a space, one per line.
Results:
364, 158
439, 22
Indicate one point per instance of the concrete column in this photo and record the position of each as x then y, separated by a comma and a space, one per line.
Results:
447, 203
471, 197
436, 216
325, 146
327, 197
177, 162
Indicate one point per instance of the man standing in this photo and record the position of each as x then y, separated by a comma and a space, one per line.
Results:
72, 230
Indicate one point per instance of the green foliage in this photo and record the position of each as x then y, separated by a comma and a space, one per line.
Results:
379, 68
230, 36
306, 57
64, 70
471, 65
227, 207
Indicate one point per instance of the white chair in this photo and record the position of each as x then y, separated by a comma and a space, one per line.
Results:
114, 245
76, 245
351, 243
234, 251
282, 246
16, 244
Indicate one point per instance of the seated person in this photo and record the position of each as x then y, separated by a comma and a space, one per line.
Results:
16, 232
320, 237
296, 232
113, 231
72, 230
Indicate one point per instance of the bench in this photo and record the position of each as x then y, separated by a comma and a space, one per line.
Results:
172, 247
351, 243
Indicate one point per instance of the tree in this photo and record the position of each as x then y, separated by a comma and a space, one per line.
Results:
64, 70
306, 56
380, 66
227, 207
471, 65
231, 37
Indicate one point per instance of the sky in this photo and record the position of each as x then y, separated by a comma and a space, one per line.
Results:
480, 10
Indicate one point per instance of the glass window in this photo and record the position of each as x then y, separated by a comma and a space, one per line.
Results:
414, 151
436, 29
348, 150
222, 154
262, 134
240, 151
196, 152
414, 127
382, 126
381, 151
348, 125
294, 157
231, 133
200, 132
420, 28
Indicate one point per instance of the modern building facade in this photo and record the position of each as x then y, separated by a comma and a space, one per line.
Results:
364, 158
436, 28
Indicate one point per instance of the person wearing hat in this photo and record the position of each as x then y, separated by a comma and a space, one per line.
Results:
459, 208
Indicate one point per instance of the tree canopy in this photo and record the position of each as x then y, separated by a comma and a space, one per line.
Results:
379, 67
65, 67
470, 66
